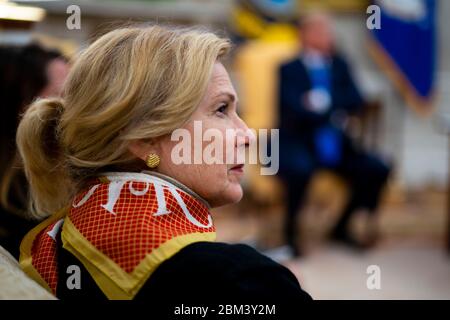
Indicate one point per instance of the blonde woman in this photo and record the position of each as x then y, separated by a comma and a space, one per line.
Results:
124, 220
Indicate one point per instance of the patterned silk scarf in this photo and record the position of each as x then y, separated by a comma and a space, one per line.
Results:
121, 228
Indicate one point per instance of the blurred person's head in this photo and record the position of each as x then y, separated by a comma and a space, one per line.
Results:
317, 32
50, 68
125, 95
56, 70
26, 72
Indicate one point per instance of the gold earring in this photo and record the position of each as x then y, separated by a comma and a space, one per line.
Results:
152, 160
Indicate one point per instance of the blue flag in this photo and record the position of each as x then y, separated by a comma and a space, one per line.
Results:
405, 47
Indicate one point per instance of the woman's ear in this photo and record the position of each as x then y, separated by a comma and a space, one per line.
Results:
140, 148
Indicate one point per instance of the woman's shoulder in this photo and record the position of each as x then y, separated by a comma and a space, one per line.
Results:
223, 255
211, 270
205, 272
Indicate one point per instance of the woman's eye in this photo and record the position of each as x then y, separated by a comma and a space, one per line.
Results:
222, 109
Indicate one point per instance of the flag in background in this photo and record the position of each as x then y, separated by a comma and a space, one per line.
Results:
405, 48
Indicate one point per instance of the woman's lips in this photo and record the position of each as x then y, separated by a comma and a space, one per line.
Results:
238, 168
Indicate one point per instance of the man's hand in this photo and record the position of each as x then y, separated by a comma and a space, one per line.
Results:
317, 100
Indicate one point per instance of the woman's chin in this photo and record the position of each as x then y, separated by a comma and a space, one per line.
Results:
233, 194
237, 195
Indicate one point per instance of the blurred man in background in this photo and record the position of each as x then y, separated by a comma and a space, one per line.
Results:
26, 73
316, 93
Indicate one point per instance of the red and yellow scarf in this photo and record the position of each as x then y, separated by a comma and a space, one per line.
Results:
121, 228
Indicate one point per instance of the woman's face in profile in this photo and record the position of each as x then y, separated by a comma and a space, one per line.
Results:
216, 124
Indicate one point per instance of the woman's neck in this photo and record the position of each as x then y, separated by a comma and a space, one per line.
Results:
165, 178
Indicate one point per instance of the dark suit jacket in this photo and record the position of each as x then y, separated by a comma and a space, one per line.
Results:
298, 124
202, 272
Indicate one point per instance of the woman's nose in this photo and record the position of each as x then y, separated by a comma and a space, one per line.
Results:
244, 135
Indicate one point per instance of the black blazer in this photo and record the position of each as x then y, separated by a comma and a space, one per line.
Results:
297, 124
202, 272
295, 82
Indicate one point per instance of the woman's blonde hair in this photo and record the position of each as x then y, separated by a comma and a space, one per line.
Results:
131, 83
